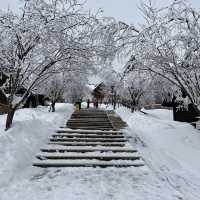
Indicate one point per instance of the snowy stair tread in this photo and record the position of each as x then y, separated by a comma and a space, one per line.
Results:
89, 143
58, 148
94, 155
89, 132
88, 140
86, 136
87, 163
88, 119
91, 127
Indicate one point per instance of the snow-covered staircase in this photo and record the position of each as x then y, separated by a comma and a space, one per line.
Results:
90, 119
89, 140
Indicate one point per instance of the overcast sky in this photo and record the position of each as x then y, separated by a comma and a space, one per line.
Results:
124, 10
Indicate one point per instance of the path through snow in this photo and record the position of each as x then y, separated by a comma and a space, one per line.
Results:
90, 184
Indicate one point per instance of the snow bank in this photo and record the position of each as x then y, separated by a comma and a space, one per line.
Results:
171, 149
31, 129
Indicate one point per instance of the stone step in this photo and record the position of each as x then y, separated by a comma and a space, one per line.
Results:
87, 140
87, 163
97, 111
90, 110
88, 124
85, 128
84, 149
99, 132
89, 113
88, 116
88, 143
91, 128
89, 156
91, 125
88, 119
86, 136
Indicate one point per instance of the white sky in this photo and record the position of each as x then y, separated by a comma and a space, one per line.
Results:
124, 10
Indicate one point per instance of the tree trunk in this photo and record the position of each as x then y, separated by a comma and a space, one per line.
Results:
132, 105
132, 108
53, 106
114, 106
9, 119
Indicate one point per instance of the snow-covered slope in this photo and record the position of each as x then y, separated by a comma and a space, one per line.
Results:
30, 130
170, 149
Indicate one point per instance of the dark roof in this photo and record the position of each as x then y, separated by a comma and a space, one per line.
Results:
99, 90
100, 86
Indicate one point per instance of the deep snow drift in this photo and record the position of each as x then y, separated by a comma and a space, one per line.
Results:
170, 150
31, 128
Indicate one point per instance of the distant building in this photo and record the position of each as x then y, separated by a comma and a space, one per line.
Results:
99, 92
33, 100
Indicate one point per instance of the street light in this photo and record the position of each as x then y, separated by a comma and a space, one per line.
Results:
114, 94
112, 90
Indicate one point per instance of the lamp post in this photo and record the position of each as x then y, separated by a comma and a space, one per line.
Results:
115, 100
114, 96
112, 91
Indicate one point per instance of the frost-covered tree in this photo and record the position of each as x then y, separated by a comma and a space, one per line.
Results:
34, 41
54, 90
168, 45
137, 88
76, 83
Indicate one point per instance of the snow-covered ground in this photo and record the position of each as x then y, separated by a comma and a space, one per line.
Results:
170, 150
31, 128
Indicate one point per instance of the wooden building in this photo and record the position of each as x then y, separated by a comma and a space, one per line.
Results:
33, 100
99, 92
